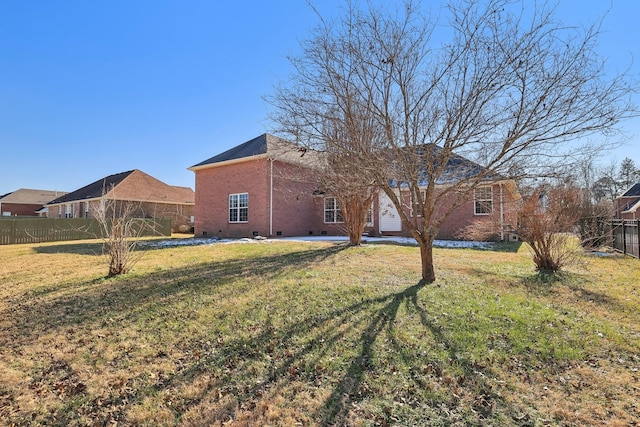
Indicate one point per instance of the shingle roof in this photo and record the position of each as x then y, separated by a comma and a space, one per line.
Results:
132, 185
31, 197
253, 147
457, 168
93, 190
634, 191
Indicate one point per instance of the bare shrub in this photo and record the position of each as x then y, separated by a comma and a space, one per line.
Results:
122, 223
547, 222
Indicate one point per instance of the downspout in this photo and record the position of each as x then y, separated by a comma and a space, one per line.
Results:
501, 214
271, 198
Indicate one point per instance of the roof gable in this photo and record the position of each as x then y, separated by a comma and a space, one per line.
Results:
253, 147
263, 146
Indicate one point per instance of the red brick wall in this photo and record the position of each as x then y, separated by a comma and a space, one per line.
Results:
296, 212
464, 215
213, 187
20, 209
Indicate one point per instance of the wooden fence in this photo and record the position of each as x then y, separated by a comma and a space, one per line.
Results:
36, 230
625, 236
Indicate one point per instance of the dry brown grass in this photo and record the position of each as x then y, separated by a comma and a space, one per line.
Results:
315, 334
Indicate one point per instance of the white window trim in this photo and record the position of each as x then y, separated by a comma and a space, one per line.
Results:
369, 218
238, 208
477, 201
336, 210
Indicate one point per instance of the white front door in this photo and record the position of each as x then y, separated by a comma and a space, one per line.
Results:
389, 218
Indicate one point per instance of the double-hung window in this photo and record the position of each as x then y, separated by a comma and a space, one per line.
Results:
483, 200
239, 207
68, 212
332, 212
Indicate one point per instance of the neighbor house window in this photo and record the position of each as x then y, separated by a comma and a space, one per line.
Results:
67, 211
332, 212
483, 200
86, 209
239, 207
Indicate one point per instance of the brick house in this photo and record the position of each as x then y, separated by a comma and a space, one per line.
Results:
26, 202
266, 187
627, 205
152, 198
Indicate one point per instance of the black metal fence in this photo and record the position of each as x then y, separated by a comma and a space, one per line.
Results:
625, 236
36, 230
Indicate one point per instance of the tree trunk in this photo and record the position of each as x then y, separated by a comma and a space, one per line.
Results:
426, 256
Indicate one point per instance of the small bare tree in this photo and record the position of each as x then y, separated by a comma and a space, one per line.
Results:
501, 84
354, 194
122, 223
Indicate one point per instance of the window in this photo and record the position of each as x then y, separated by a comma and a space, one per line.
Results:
483, 200
86, 209
415, 206
239, 207
67, 211
332, 213
369, 217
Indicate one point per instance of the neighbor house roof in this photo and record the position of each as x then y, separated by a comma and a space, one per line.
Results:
634, 191
28, 196
93, 190
133, 185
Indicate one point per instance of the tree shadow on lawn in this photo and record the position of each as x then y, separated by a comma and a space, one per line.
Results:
89, 248
348, 389
373, 317
95, 246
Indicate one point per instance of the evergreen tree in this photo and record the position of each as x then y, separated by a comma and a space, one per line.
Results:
628, 174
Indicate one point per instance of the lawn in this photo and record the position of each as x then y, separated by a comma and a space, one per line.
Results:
293, 333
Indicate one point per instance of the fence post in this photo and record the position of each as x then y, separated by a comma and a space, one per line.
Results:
14, 234
638, 237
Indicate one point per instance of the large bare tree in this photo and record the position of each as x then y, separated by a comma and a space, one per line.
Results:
502, 83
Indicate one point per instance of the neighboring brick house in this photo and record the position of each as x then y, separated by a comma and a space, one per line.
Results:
627, 205
152, 197
26, 202
266, 187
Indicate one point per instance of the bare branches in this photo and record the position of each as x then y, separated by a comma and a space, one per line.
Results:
504, 85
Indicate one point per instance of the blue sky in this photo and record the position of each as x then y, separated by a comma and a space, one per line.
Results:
92, 88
